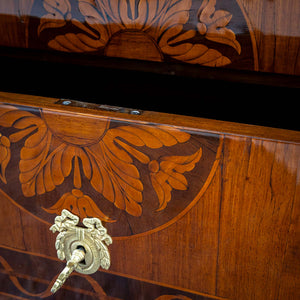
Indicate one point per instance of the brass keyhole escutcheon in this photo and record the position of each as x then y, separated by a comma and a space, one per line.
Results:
84, 248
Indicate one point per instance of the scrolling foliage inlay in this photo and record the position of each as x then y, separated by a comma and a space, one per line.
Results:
79, 163
192, 31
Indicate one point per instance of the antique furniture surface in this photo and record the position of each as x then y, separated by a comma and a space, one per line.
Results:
197, 208
233, 57
171, 126
256, 35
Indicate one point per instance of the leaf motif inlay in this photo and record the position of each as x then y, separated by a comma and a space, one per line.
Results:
162, 20
109, 163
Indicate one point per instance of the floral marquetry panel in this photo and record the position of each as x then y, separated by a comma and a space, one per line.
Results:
196, 32
259, 35
137, 177
195, 208
211, 33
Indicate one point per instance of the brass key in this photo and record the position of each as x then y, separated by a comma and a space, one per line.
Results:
77, 256
84, 248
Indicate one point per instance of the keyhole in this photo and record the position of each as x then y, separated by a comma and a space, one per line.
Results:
82, 249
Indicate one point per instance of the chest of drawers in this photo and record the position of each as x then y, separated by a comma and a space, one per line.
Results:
192, 207
197, 208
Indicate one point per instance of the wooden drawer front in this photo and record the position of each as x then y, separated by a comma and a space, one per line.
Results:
237, 34
198, 209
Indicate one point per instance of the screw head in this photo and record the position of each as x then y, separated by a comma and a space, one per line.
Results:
135, 112
66, 102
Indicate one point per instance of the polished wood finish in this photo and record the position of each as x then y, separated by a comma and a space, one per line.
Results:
235, 235
89, 159
113, 286
239, 34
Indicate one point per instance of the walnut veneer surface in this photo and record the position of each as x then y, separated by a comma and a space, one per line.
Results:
197, 208
258, 35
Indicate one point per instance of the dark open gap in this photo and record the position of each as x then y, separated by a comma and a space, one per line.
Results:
230, 95
83, 249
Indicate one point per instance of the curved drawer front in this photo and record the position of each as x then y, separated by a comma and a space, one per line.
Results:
196, 208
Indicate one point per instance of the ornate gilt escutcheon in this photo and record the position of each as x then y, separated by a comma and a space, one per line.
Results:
85, 249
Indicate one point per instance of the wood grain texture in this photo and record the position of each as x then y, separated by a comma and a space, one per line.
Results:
188, 122
276, 33
17, 285
291, 265
239, 239
94, 166
254, 232
239, 34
